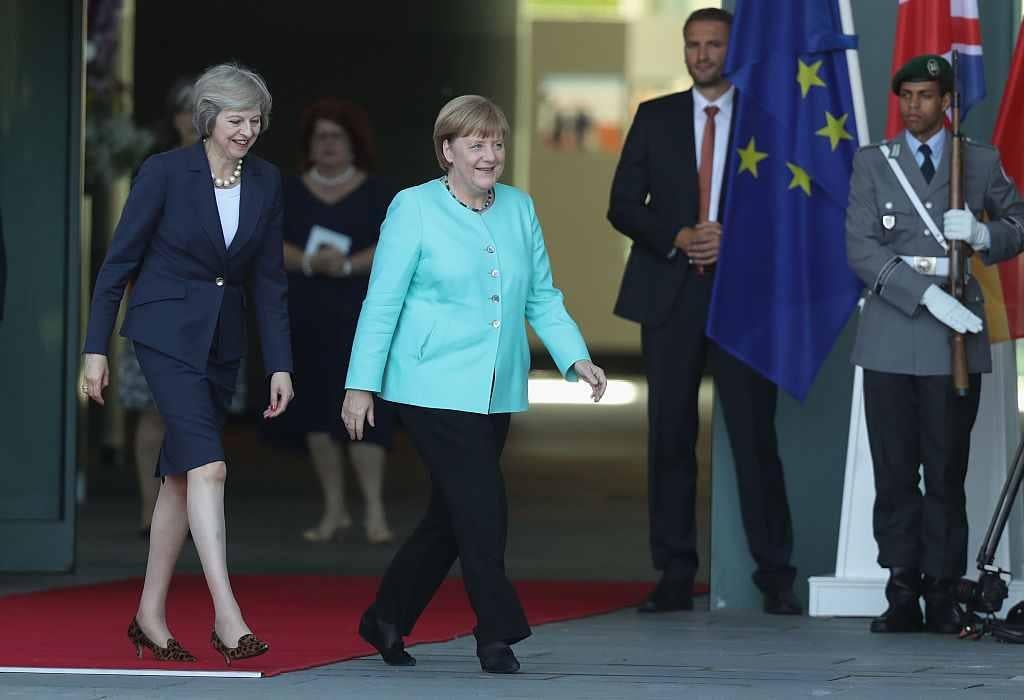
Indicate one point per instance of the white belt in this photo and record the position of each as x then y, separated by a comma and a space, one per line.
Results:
936, 267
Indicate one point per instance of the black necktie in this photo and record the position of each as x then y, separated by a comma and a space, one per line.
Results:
927, 166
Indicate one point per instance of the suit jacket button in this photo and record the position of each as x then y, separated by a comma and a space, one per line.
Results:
219, 281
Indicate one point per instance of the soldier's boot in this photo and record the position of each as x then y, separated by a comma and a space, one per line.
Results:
942, 614
903, 591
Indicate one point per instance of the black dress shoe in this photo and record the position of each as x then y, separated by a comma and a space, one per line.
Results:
497, 657
941, 613
669, 595
384, 637
782, 603
903, 591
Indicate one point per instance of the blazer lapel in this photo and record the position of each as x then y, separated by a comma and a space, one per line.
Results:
204, 198
250, 206
689, 141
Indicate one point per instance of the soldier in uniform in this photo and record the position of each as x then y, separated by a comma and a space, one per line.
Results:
898, 226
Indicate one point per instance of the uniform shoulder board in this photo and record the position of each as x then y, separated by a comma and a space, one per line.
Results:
979, 144
874, 146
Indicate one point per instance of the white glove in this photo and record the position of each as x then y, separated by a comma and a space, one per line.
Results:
950, 311
960, 225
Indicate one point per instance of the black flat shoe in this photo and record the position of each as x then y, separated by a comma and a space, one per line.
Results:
668, 596
497, 657
782, 603
384, 637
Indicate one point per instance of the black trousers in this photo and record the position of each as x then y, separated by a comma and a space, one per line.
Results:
467, 519
914, 421
675, 354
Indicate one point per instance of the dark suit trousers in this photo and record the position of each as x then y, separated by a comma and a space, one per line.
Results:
675, 354
914, 421
467, 519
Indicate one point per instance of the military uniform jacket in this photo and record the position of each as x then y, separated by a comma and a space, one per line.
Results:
896, 333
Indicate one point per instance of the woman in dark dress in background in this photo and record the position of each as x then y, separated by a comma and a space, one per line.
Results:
326, 289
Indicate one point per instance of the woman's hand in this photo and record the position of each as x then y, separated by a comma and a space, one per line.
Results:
281, 394
356, 411
95, 376
592, 375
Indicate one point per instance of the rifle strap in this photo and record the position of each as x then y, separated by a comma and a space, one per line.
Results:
908, 189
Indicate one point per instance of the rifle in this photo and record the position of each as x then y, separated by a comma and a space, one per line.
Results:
957, 254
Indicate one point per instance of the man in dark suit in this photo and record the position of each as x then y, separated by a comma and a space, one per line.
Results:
667, 197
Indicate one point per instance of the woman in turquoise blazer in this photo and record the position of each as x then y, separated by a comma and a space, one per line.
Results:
460, 267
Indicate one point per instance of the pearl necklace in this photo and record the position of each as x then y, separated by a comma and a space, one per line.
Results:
487, 203
341, 178
230, 182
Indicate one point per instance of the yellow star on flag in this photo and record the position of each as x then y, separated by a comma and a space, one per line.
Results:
834, 130
807, 76
800, 178
750, 157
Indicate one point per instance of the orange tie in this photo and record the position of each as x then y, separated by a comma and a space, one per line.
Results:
707, 164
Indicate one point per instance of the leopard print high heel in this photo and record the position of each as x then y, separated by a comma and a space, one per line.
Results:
172, 652
248, 646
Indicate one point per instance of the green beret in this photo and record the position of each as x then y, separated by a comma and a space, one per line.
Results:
925, 68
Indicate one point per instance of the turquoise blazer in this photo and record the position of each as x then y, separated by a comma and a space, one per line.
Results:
450, 293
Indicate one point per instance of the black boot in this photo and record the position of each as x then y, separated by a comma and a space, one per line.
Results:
903, 591
942, 614
385, 638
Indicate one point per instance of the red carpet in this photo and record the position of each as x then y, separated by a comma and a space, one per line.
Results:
307, 620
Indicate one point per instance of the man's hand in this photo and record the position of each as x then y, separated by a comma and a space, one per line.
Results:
947, 309
701, 243
960, 225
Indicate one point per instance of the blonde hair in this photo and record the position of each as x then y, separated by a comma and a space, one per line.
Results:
467, 115
228, 86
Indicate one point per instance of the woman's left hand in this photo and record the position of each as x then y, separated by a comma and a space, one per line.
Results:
592, 375
281, 394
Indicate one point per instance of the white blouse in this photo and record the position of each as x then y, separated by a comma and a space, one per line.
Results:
228, 201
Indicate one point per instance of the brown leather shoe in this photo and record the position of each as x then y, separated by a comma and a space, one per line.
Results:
172, 652
248, 646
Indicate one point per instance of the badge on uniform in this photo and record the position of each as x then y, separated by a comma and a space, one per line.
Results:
888, 221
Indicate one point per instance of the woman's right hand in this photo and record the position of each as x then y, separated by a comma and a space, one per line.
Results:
95, 376
356, 411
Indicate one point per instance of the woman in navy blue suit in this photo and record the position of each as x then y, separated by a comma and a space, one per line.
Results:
199, 227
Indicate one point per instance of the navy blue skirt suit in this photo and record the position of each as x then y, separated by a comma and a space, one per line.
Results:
188, 305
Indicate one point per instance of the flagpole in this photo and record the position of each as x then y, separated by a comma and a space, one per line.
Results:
856, 586
856, 84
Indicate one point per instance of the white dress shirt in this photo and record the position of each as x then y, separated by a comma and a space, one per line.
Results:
228, 201
722, 121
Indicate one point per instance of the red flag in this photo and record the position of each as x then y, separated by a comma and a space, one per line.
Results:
937, 26
1008, 137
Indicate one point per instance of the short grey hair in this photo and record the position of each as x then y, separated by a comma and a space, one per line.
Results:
228, 86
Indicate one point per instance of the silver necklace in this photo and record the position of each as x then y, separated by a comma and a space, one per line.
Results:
341, 178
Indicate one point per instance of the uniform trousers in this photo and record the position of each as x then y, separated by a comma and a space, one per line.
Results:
466, 519
676, 352
916, 422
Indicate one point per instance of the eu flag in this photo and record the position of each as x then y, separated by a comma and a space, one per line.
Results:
783, 290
